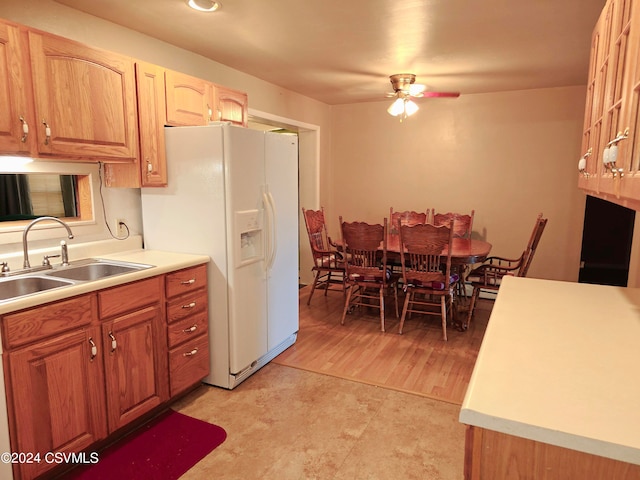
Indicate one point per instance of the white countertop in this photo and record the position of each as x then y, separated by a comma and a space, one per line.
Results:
560, 364
162, 262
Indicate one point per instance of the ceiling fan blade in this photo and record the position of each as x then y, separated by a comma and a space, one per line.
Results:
416, 89
441, 94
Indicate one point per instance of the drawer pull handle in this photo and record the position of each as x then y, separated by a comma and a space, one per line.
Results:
47, 132
189, 282
190, 305
25, 129
191, 353
191, 329
114, 344
94, 349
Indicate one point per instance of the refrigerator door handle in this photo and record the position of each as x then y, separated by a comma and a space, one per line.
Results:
272, 230
269, 231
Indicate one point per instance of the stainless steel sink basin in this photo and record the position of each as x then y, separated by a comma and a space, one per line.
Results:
19, 287
95, 269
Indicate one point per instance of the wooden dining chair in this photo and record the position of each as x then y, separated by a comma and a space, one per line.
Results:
462, 223
328, 263
488, 276
367, 274
462, 227
408, 217
426, 271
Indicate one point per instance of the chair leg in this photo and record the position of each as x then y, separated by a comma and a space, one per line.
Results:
395, 298
404, 311
346, 302
443, 308
327, 284
382, 309
313, 287
472, 305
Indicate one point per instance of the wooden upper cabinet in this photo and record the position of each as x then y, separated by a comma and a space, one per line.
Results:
85, 100
231, 106
189, 99
593, 111
611, 112
151, 121
630, 148
17, 125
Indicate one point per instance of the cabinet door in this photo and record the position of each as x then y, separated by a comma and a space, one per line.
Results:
151, 120
189, 99
85, 100
615, 104
16, 111
232, 106
135, 365
630, 148
588, 179
56, 389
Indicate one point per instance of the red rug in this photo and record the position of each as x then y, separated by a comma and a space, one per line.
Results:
163, 449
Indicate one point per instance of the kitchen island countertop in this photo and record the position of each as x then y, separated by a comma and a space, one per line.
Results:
559, 364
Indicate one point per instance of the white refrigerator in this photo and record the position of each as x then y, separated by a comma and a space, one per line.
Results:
233, 195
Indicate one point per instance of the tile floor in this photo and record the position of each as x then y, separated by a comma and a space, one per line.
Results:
288, 424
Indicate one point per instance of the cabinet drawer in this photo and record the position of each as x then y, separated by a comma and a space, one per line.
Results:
187, 305
131, 296
28, 325
188, 328
188, 364
188, 280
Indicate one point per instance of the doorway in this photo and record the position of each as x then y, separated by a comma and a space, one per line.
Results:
606, 243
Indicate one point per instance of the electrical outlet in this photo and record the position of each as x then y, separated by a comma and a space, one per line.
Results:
121, 229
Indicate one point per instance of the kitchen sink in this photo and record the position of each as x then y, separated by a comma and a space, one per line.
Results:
47, 278
94, 269
19, 287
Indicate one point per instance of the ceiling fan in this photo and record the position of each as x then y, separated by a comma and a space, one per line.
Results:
404, 89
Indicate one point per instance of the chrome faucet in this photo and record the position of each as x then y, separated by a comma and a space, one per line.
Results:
26, 263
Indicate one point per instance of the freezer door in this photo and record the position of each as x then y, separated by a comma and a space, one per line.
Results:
247, 291
281, 159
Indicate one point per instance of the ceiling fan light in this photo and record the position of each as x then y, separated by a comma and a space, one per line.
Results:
204, 5
396, 108
410, 107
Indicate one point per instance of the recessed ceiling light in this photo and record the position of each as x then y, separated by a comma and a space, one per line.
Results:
204, 5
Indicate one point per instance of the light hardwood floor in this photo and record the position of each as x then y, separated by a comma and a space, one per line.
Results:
418, 361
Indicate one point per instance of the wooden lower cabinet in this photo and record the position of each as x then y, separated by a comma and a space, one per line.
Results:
133, 358
80, 369
188, 322
491, 455
55, 395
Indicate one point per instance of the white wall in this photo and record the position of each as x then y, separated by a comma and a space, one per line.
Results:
506, 155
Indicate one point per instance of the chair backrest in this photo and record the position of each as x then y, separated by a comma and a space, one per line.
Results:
462, 224
317, 231
532, 246
408, 217
366, 250
427, 248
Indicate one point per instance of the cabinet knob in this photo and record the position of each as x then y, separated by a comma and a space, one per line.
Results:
191, 329
188, 282
191, 353
190, 305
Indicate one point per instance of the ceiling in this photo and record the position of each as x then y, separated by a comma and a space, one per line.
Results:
343, 51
